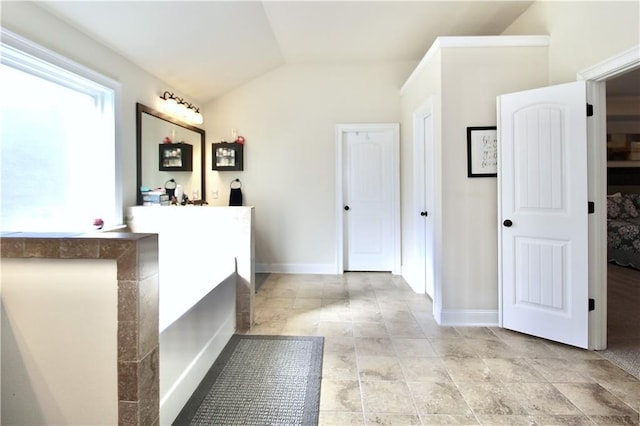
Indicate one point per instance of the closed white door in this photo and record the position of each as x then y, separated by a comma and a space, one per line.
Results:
368, 198
543, 208
422, 280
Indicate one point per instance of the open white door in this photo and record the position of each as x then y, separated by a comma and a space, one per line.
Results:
542, 209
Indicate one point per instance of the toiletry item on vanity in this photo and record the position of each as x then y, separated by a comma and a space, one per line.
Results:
179, 193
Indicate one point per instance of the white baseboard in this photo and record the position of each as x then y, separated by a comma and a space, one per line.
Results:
297, 268
468, 317
190, 345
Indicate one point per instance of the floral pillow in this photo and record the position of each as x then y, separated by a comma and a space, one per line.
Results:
621, 207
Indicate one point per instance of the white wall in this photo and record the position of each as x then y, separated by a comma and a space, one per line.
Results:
288, 118
423, 84
59, 360
464, 83
34, 23
583, 33
471, 80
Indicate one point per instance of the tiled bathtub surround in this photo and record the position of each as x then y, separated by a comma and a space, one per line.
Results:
137, 280
386, 361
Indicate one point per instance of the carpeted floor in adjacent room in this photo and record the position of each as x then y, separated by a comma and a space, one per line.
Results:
623, 318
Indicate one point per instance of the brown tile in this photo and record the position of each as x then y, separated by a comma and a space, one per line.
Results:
386, 397
149, 387
594, 400
513, 370
448, 419
335, 328
147, 254
424, 370
616, 420
628, 392
496, 419
369, 329
486, 348
128, 413
557, 370
408, 347
340, 395
79, 249
379, 368
11, 247
482, 333
391, 419
128, 381
542, 398
127, 341
468, 370
491, 398
374, 346
452, 348
38, 247
128, 265
409, 329
603, 370
148, 314
127, 300
113, 248
340, 418
438, 398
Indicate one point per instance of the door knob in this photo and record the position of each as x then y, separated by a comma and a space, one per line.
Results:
424, 214
507, 223
346, 208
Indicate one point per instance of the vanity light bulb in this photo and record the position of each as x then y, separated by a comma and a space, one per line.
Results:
170, 105
190, 115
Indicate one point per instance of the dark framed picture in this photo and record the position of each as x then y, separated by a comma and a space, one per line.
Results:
227, 156
482, 151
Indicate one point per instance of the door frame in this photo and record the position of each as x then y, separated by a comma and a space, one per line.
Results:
597, 185
341, 130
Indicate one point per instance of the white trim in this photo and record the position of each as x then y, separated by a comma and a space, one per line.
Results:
597, 227
596, 92
480, 41
339, 268
296, 268
614, 66
469, 317
14, 40
395, 212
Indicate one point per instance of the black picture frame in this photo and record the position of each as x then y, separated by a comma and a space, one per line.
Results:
227, 156
482, 151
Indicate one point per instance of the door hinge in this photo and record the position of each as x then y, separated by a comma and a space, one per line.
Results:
592, 207
589, 110
592, 305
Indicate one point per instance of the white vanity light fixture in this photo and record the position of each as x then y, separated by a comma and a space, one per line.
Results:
181, 109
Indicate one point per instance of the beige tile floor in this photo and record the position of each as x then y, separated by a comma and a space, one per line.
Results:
386, 361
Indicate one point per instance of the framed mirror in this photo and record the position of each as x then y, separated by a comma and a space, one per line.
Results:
152, 127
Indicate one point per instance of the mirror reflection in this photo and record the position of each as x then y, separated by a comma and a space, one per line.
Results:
154, 130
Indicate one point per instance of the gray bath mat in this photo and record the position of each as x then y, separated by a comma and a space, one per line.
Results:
260, 380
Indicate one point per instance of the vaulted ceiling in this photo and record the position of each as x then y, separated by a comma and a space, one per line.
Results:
206, 48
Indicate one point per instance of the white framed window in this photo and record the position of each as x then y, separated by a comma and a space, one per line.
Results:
58, 142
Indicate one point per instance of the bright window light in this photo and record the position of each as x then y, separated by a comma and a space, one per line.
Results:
57, 150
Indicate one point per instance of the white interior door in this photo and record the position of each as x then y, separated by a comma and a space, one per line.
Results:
543, 208
423, 278
368, 198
